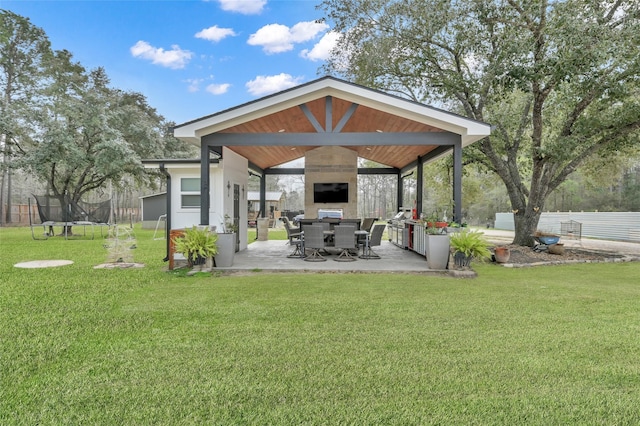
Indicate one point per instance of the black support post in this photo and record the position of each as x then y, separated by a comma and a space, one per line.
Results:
400, 192
419, 185
263, 195
205, 178
457, 180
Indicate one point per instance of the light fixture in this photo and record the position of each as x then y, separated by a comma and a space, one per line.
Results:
281, 131
379, 131
228, 188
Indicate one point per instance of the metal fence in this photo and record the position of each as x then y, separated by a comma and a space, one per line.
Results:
618, 226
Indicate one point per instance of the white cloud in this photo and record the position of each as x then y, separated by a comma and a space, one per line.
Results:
215, 33
194, 84
218, 89
175, 58
265, 84
308, 30
277, 38
322, 50
246, 7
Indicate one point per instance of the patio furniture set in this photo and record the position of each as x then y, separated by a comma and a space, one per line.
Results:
314, 241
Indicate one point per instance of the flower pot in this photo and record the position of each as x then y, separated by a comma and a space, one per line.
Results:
556, 248
461, 260
502, 254
437, 224
199, 261
226, 249
437, 251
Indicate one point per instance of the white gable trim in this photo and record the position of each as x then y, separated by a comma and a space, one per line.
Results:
470, 130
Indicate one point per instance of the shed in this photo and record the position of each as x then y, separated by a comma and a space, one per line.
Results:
152, 207
274, 204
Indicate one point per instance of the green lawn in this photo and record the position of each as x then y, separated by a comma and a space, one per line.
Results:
548, 345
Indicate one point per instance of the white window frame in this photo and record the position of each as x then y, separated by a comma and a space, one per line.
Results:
189, 192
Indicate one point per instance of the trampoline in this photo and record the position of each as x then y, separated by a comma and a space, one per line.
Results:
56, 211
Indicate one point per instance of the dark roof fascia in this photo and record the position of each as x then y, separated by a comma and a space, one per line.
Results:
361, 171
179, 161
255, 170
378, 171
284, 171
153, 195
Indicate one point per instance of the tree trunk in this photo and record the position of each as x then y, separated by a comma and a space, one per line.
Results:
3, 177
526, 224
2, 198
9, 201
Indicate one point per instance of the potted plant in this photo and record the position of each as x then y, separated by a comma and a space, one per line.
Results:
198, 245
226, 243
468, 245
436, 246
455, 227
502, 254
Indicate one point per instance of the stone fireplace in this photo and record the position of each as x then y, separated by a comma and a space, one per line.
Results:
331, 164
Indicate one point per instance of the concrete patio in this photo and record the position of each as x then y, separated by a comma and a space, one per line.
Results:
271, 256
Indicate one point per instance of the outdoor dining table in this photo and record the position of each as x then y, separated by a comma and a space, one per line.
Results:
365, 248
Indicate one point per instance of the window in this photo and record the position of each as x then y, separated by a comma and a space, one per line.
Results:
190, 193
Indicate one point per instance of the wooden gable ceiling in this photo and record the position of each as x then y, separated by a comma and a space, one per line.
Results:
364, 120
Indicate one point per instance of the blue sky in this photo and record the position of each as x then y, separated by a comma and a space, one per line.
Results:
189, 58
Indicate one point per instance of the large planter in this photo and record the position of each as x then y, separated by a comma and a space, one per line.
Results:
226, 249
502, 254
437, 251
461, 260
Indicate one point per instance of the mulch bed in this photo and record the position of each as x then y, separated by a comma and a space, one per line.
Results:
525, 256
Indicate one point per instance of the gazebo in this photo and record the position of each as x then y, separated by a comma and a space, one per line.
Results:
331, 123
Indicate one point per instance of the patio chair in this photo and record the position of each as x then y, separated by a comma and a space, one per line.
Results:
367, 223
326, 226
375, 239
345, 239
314, 241
287, 223
295, 239
328, 237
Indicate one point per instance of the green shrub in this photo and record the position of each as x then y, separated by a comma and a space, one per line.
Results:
197, 243
471, 243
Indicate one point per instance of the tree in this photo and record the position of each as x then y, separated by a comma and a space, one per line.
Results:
23, 49
558, 80
67, 126
87, 135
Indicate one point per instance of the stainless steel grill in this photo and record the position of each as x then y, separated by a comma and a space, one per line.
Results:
398, 233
